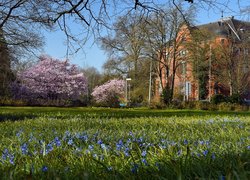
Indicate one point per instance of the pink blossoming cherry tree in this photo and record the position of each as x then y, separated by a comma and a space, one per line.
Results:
110, 93
50, 79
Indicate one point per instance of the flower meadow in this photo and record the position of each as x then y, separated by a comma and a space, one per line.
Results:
93, 145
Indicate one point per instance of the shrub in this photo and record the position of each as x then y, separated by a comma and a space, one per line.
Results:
109, 94
176, 104
157, 105
235, 98
202, 105
166, 95
218, 98
6, 101
189, 104
225, 106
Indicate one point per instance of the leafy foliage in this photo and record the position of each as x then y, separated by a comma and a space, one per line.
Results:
218, 98
110, 93
50, 79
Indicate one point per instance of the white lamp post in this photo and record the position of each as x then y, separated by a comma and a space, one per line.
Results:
127, 79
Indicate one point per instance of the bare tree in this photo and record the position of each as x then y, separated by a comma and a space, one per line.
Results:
93, 78
233, 66
125, 48
164, 44
21, 20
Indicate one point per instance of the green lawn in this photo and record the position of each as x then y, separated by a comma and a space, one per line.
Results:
94, 143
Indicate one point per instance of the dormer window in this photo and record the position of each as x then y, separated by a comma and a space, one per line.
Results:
242, 30
221, 23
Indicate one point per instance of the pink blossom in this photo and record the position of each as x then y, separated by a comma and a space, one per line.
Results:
110, 93
50, 79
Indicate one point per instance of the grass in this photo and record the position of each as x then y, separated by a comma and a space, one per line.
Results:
94, 143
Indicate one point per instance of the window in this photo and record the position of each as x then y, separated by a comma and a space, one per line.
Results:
188, 88
184, 68
183, 52
222, 41
167, 55
183, 38
246, 51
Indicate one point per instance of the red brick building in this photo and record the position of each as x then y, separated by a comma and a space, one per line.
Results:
224, 53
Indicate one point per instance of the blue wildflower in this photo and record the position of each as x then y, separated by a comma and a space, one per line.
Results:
91, 147
185, 142
57, 141
205, 152
99, 142
162, 146
120, 142
85, 138
144, 161
126, 152
6, 151
140, 139
24, 148
110, 168
119, 145
134, 168
248, 147
78, 135
210, 121
179, 152
44, 169
49, 148
157, 165
172, 143
131, 134
18, 134
70, 142
201, 142
144, 153
103, 146
11, 160
213, 156
67, 133
5, 154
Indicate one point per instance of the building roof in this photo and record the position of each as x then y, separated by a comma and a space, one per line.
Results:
228, 27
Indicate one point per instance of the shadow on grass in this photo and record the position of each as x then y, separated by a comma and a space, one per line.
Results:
16, 117
21, 113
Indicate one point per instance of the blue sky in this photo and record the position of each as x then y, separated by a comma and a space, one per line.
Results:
92, 55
